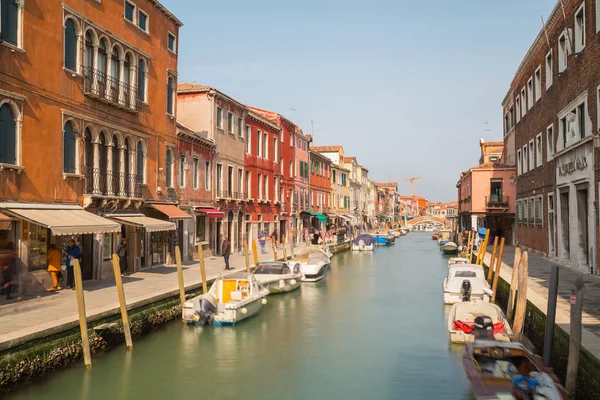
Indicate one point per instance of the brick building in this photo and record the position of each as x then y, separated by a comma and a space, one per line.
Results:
320, 186
550, 120
301, 180
87, 111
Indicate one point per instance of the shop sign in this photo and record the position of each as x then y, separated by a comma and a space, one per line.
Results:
578, 164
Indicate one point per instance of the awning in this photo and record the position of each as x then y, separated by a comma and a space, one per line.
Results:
319, 216
66, 222
150, 224
212, 213
171, 211
5, 222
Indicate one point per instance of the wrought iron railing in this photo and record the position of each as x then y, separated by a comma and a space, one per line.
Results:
496, 201
100, 85
109, 183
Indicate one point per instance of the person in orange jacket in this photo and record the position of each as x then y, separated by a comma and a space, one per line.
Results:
54, 261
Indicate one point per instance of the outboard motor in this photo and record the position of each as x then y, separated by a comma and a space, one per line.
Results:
466, 290
483, 328
206, 313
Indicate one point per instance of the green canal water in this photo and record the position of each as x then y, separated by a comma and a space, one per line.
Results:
374, 328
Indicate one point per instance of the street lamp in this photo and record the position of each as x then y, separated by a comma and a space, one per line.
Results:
512, 179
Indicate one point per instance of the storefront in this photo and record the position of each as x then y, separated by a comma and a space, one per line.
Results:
206, 220
172, 238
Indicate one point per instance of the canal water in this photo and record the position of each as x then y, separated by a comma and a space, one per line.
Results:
374, 328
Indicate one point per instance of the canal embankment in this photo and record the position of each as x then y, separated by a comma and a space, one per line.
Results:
588, 385
36, 336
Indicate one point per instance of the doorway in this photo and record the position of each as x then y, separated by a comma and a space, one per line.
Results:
551, 226
582, 224
564, 220
87, 257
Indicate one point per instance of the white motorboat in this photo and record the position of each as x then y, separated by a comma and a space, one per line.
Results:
363, 242
457, 260
461, 321
465, 282
230, 300
313, 262
278, 276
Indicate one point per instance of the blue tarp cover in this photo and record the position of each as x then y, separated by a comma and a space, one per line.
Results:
367, 239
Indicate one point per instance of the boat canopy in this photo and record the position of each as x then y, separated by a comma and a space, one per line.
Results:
272, 268
367, 239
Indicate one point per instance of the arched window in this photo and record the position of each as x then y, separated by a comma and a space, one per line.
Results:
10, 21
88, 161
127, 163
8, 135
170, 95
141, 80
115, 74
102, 67
102, 163
127, 79
69, 142
169, 169
140, 163
70, 45
88, 57
116, 166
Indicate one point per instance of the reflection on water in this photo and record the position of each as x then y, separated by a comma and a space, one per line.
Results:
375, 327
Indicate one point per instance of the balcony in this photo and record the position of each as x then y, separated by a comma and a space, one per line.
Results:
223, 194
98, 182
496, 202
99, 85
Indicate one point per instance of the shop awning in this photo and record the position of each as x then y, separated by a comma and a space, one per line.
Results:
171, 211
212, 213
319, 216
5, 222
66, 222
346, 217
150, 224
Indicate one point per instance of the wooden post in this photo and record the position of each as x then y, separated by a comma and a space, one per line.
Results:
292, 244
122, 303
484, 246
471, 245
514, 282
491, 266
283, 241
180, 279
254, 252
247, 256
479, 249
551, 314
497, 272
575, 337
274, 250
521, 297
85, 341
202, 268
468, 245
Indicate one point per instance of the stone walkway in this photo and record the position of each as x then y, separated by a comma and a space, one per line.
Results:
37, 317
537, 293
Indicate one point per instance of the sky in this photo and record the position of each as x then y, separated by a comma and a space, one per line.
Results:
407, 87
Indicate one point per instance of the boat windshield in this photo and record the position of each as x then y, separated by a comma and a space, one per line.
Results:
272, 269
465, 274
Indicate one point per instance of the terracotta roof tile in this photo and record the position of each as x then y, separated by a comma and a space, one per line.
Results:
326, 149
192, 87
349, 159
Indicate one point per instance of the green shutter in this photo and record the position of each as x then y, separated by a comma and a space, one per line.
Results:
70, 46
10, 20
7, 135
68, 149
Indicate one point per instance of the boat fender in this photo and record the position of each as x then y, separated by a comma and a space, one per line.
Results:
282, 284
244, 310
293, 282
263, 301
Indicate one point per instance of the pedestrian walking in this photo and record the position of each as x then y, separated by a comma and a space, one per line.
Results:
73, 253
122, 253
294, 234
8, 266
54, 262
226, 251
315, 238
262, 238
274, 236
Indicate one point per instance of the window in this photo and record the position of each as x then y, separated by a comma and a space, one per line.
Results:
240, 183
539, 220
523, 103
219, 118
143, 21
259, 144
207, 175
538, 83
219, 180
8, 135
265, 188
69, 143
291, 169
549, 143
530, 211
581, 119
171, 42
580, 28
563, 50
239, 128
229, 181
169, 169
266, 146
518, 101
195, 173
200, 228
549, 70
170, 95
248, 141
229, 122
130, 11
140, 163
182, 171
531, 154
141, 81
260, 187
9, 21
70, 44
275, 150
524, 153
530, 93
248, 183
538, 150
563, 128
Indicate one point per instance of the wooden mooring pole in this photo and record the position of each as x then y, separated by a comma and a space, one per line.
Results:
202, 269
491, 266
85, 341
551, 314
497, 271
180, 279
274, 250
283, 241
521, 307
574, 337
254, 252
514, 283
483, 247
247, 256
122, 303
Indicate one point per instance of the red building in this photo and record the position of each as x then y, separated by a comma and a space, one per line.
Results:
262, 177
320, 183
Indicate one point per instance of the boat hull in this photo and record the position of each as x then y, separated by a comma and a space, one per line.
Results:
314, 276
362, 248
235, 316
453, 298
284, 285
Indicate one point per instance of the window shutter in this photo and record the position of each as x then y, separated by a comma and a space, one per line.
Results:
10, 21
68, 149
8, 135
70, 46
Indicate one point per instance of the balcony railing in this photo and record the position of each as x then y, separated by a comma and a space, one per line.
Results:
223, 194
110, 90
496, 202
109, 183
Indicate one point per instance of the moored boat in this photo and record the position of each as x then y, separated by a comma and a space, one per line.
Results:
450, 248
383, 240
465, 282
363, 242
278, 276
230, 300
313, 263
435, 236
457, 260
461, 321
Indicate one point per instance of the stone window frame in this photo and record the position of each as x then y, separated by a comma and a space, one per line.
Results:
16, 103
518, 107
537, 79
550, 144
579, 25
563, 51
530, 93
523, 102
549, 69
539, 146
531, 154
20, 12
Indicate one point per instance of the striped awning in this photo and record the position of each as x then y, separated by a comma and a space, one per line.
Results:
150, 224
66, 222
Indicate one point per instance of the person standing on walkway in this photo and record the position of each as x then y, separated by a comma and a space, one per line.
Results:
262, 238
122, 253
73, 253
226, 251
8, 267
54, 262
274, 236
294, 235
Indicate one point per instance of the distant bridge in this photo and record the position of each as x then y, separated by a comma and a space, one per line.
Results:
429, 219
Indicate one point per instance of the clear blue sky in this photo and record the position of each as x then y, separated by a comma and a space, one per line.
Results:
405, 86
